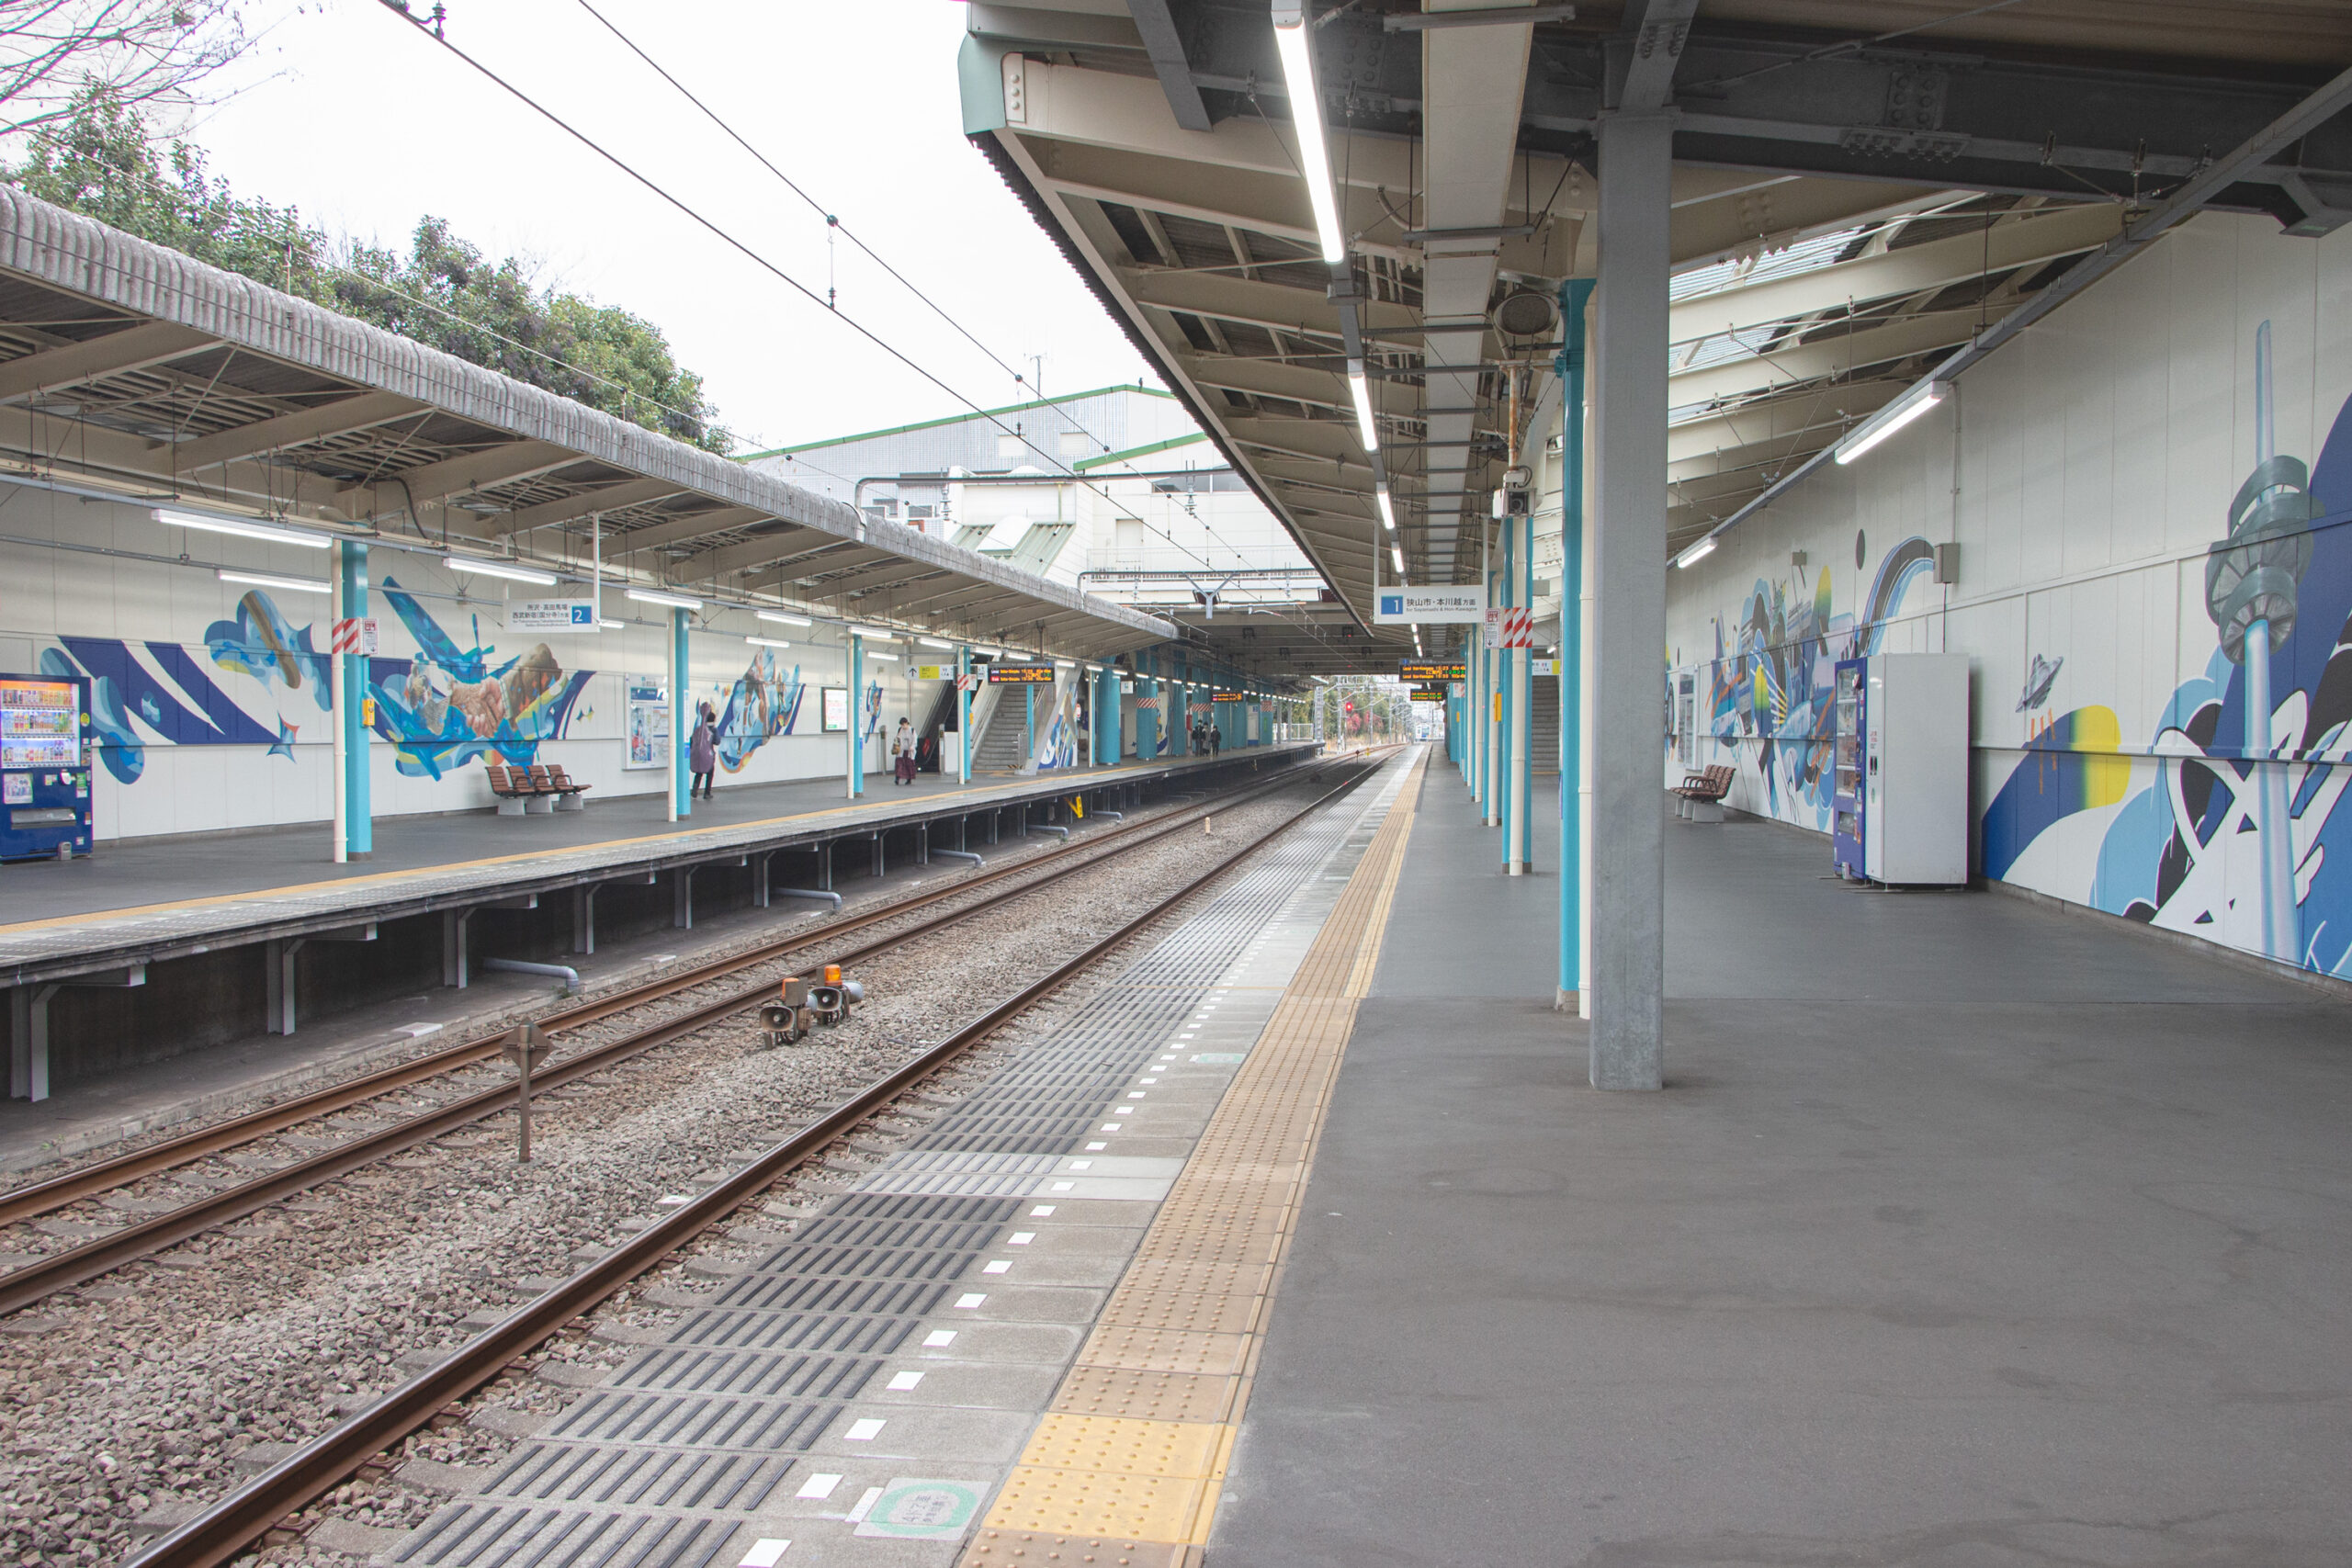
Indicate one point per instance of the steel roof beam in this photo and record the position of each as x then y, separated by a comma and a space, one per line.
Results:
342, 417
468, 471
115, 354
572, 507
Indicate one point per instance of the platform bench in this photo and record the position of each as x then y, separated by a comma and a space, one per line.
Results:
515, 791
553, 783
1700, 795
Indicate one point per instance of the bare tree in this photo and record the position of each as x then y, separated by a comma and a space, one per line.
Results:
136, 51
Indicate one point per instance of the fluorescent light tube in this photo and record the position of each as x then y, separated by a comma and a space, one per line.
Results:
1397, 555
499, 569
612, 625
935, 642
1064, 664
783, 620
878, 653
170, 518
766, 642
1361, 389
1307, 120
1697, 552
263, 579
1387, 509
1889, 420
670, 601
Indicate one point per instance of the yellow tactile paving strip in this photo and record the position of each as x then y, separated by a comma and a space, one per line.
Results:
1126, 1467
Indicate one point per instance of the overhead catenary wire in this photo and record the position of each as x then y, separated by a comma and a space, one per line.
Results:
835, 227
730, 240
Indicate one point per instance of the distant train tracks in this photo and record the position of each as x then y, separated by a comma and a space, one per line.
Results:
34, 1282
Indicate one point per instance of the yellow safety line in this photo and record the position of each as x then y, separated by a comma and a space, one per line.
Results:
1128, 1463
130, 911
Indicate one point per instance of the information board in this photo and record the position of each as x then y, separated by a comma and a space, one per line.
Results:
1453, 604
551, 615
1428, 671
647, 721
1003, 674
836, 708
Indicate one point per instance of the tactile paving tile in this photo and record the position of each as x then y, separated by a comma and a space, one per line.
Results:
1188, 1314
1042, 1549
1153, 1395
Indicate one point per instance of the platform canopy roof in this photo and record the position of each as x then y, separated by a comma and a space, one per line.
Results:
1862, 187
130, 370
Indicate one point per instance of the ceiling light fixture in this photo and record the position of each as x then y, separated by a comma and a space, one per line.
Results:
1387, 509
1293, 41
1697, 552
1360, 389
668, 600
935, 642
1396, 555
170, 518
1893, 417
612, 625
262, 580
766, 642
499, 569
780, 619
878, 653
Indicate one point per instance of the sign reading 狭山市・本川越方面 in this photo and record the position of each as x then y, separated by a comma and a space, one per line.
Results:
1455, 604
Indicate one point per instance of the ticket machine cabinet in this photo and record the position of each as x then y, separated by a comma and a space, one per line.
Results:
45, 757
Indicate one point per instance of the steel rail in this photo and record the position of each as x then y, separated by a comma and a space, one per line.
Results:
71, 1187
233, 1525
36, 1281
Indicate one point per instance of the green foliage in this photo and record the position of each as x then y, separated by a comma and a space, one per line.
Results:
102, 161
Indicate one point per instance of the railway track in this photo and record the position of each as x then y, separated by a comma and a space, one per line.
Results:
245, 1516
76, 1265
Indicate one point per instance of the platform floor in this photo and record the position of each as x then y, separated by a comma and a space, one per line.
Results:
1967, 1234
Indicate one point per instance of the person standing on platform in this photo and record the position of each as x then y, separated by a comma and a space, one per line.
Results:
701, 752
1216, 740
903, 750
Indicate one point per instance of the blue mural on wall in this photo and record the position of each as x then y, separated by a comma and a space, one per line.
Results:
2230, 829
762, 705
440, 709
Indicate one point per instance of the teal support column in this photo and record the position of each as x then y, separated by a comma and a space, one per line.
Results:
1574, 295
681, 719
1504, 760
963, 716
857, 761
1490, 729
1114, 733
1028, 725
1519, 702
1148, 710
360, 827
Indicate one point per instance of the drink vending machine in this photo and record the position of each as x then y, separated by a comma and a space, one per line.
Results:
1899, 812
44, 767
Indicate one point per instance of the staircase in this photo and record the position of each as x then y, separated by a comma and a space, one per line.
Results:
1000, 747
1543, 696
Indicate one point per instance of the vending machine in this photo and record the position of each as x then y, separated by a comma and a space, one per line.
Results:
1899, 810
44, 767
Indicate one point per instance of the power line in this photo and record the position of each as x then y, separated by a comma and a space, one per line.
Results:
835, 226
425, 27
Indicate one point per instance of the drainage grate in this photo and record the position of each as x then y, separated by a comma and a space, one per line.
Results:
896, 1298
961, 1236
688, 1421
689, 1369
854, 1333
473, 1533
805, 1262
560, 1473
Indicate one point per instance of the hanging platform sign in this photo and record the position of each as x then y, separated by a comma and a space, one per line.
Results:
1235, 697
1429, 672
1003, 674
1427, 693
551, 615
1463, 604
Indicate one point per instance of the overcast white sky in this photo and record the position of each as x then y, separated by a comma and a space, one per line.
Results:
367, 126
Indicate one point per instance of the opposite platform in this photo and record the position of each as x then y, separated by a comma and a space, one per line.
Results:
136, 903
1965, 1234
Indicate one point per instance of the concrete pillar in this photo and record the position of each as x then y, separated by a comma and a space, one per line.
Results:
1628, 976
681, 718
1147, 712
1490, 806
1507, 745
359, 820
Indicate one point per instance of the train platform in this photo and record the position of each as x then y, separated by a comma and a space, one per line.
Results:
1965, 1232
